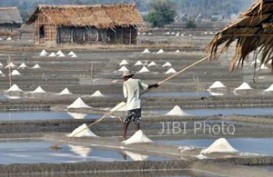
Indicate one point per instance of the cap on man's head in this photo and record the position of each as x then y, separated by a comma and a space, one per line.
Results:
127, 74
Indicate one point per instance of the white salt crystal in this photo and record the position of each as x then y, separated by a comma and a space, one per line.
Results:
160, 51
65, 92
138, 63
123, 62
39, 90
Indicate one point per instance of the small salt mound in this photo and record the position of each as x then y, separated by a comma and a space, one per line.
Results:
152, 64
74, 56
145, 51
177, 51
123, 68
269, 89
243, 86
123, 62
173, 33
97, 94
78, 103
167, 64
65, 92
52, 54
1, 39
144, 70
253, 62
205, 33
77, 115
190, 35
221, 145
82, 131
138, 137
39, 90
71, 53
171, 71
135, 156
182, 35
10, 65
81, 150
168, 33
22, 66
176, 111
138, 63
14, 88
37, 66
177, 34
60, 54
263, 67
15, 73
149, 34
1, 72
1, 65
9, 39
43, 53
217, 84
160, 51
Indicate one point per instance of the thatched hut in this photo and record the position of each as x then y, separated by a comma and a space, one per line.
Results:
10, 20
86, 23
252, 33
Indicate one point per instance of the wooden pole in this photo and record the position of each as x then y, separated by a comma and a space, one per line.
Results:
9, 73
92, 70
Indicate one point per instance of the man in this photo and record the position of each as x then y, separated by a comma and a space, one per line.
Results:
131, 92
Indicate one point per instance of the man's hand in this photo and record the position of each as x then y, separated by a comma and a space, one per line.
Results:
153, 86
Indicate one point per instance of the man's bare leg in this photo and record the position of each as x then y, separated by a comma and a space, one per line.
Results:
125, 127
137, 126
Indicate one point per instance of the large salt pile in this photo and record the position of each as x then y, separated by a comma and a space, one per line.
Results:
97, 93
221, 145
170, 71
43, 53
138, 63
135, 156
144, 70
152, 64
123, 68
77, 115
138, 137
37, 66
80, 150
65, 92
217, 84
22, 66
82, 131
243, 86
52, 54
145, 51
160, 51
71, 53
269, 89
39, 90
10, 65
14, 88
167, 64
123, 62
15, 73
78, 103
176, 111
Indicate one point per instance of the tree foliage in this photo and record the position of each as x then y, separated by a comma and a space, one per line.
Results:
163, 12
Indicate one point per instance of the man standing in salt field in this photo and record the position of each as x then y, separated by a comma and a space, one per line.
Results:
131, 92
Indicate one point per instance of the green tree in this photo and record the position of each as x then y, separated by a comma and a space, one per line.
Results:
163, 13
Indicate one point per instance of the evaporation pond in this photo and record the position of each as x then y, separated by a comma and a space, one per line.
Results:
38, 151
44, 115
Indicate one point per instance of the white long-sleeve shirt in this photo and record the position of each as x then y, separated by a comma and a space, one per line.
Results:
131, 91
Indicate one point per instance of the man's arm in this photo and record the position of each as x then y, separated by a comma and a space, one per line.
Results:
153, 85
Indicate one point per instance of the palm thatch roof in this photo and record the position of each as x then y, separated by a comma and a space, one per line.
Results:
10, 15
99, 16
253, 32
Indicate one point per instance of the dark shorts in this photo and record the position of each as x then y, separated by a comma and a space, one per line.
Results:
133, 116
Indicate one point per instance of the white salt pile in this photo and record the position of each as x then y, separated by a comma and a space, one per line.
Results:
14, 88
77, 115
1, 39
97, 93
136, 156
205, 33
257, 62
263, 67
160, 51
71, 53
138, 137
182, 35
217, 84
43, 53
74, 56
176, 111
138, 63
65, 92
9, 39
123, 62
1, 73
173, 33
78, 103
80, 150
221, 145
150, 34
144, 69
269, 89
143, 34
52, 54
167, 64
243, 86
39, 90
37, 66
1, 65
145, 51
177, 34
168, 33
61, 55
22, 66
152, 64
15, 73
177, 51
123, 68
190, 35
171, 71
10, 65
82, 131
